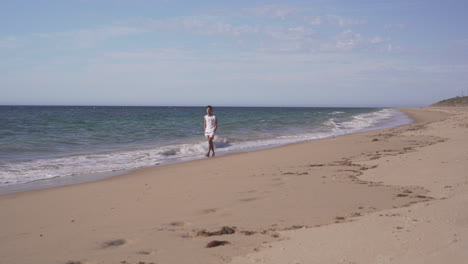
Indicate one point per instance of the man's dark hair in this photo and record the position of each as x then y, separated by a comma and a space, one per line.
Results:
210, 107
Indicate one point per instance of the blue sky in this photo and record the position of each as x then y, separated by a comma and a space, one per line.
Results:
233, 53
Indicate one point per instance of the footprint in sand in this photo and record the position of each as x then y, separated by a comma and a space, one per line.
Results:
113, 243
278, 182
251, 199
248, 192
146, 252
209, 211
218, 211
179, 223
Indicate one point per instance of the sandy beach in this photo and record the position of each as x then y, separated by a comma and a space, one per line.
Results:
396, 195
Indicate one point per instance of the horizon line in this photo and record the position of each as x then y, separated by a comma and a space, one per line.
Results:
265, 106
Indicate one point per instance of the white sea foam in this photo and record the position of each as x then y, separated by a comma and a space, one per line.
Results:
28, 171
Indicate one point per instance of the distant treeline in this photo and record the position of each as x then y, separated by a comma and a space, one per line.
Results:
457, 101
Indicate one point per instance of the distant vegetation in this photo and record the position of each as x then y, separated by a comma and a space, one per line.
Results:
457, 101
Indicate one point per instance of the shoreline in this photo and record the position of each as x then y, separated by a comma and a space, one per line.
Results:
154, 214
61, 181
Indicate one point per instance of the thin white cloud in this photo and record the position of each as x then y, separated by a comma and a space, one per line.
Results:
291, 13
314, 21
102, 33
203, 26
273, 11
293, 33
349, 40
301, 37
389, 48
200, 26
343, 22
10, 42
297, 31
333, 20
85, 38
376, 40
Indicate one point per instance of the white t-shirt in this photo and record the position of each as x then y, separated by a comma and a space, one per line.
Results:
210, 123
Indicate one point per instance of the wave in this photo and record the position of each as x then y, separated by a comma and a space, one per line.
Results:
76, 165
361, 121
337, 113
28, 171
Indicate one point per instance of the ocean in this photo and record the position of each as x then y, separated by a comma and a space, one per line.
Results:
55, 145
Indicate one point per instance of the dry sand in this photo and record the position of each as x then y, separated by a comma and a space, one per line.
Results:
390, 196
435, 231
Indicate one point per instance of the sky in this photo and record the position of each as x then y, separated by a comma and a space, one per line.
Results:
350, 53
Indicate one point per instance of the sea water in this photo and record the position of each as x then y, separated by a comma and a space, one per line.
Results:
53, 143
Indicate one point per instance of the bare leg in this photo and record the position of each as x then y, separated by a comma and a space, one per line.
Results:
211, 146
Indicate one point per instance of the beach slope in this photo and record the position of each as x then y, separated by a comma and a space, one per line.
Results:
434, 231
398, 193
